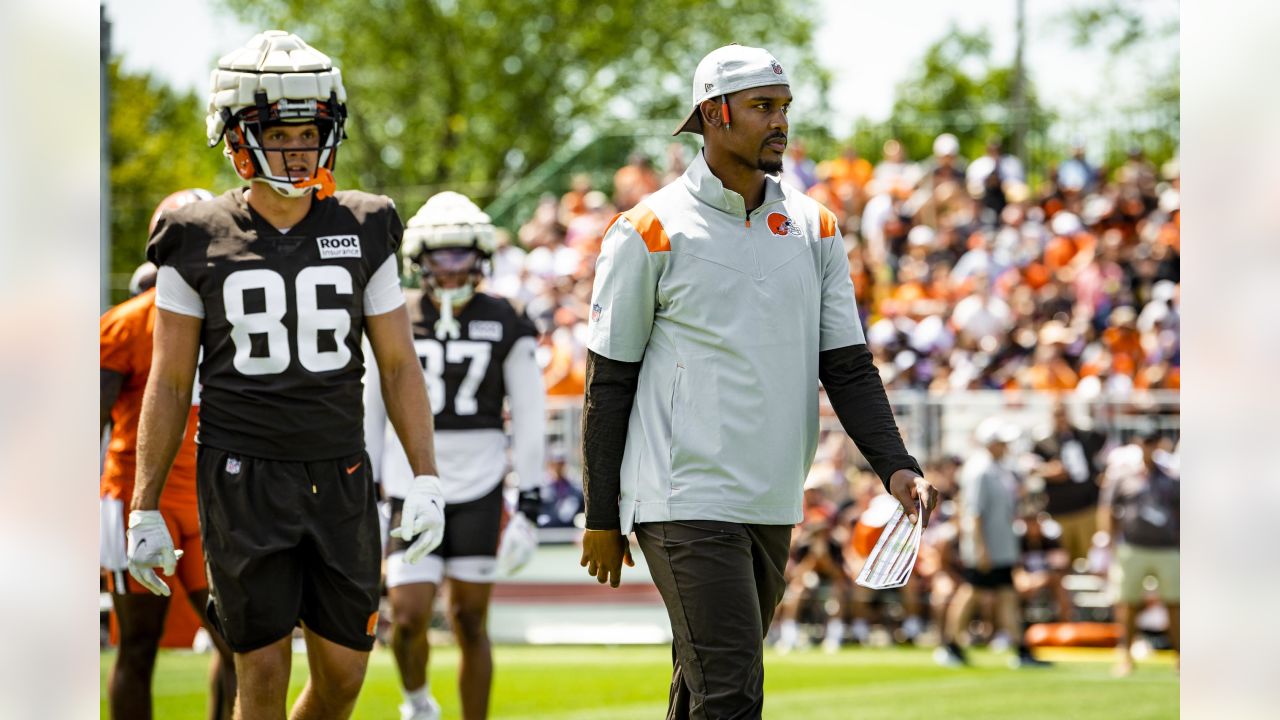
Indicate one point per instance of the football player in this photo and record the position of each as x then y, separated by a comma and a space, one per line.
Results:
277, 283
124, 362
475, 351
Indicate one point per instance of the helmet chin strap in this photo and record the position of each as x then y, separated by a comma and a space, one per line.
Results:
447, 327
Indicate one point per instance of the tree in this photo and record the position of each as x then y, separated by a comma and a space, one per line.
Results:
1142, 44
471, 96
959, 89
157, 147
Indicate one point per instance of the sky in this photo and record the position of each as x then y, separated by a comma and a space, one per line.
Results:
870, 45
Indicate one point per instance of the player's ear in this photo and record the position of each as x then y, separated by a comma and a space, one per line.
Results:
710, 111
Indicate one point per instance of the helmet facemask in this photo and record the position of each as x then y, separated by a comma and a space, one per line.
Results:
451, 274
245, 145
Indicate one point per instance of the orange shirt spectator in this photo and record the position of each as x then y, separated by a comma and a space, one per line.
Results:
1123, 341
573, 203
850, 170
633, 182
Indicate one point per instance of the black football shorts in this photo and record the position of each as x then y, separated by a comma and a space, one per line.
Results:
993, 579
467, 552
287, 544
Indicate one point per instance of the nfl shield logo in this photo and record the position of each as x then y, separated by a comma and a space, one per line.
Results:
595, 312
233, 466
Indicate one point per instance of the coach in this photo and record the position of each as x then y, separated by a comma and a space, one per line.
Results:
719, 303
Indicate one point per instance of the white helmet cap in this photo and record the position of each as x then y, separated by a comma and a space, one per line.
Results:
276, 77
449, 220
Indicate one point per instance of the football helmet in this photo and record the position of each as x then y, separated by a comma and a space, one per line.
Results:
277, 78
449, 240
176, 200
143, 278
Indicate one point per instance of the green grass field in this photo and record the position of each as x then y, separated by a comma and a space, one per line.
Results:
593, 683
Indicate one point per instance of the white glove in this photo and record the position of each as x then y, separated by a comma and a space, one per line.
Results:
519, 541
422, 517
150, 547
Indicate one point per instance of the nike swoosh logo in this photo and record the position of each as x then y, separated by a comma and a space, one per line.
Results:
355, 467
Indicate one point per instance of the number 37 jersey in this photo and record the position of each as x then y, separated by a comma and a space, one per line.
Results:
283, 317
465, 380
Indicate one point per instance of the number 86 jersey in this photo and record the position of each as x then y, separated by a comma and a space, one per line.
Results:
283, 317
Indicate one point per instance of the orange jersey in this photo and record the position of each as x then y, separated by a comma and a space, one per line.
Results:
124, 347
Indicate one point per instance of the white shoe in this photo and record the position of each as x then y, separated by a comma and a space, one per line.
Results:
999, 642
430, 712
912, 627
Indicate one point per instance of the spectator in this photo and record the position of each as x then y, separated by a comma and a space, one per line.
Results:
634, 181
585, 231
946, 165
677, 162
1069, 465
1139, 511
816, 565
988, 547
1075, 174
544, 228
1042, 565
982, 315
561, 497
797, 169
850, 174
894, 173
987, 175
573, 202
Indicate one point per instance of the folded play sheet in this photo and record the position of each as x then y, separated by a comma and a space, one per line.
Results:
890, 562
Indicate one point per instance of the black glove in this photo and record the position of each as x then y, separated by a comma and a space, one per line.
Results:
530, 504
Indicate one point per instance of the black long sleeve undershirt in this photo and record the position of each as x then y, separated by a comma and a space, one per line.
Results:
606, 411
857, 395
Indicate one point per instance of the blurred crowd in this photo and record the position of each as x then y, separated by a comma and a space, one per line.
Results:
1036, 525
967, 276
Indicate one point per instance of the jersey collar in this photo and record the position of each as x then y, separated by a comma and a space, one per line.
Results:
705, 186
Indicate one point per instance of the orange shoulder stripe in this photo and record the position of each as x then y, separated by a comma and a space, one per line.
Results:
826, 223
650, 228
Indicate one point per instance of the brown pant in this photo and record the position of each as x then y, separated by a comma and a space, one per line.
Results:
721, 583
1078, 528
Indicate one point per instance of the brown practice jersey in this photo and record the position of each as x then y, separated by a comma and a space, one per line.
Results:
464, 375
283, 318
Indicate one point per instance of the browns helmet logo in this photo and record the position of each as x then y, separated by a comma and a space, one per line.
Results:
782, 225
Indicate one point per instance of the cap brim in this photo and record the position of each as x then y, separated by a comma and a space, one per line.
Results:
691, 123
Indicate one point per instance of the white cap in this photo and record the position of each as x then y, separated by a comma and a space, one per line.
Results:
995, 429
1065, 223
920, 236
727, 70
946, 144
